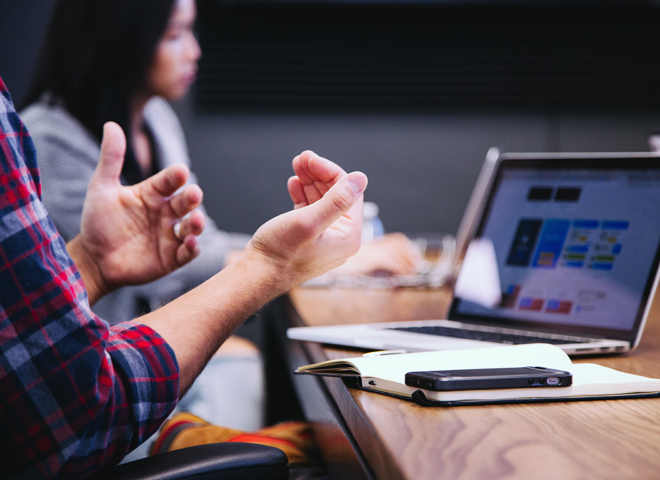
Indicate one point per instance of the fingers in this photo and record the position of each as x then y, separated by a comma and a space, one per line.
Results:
322, 169
185, 202
399, 262
399, 251
113, 149
344, 196
403, 247
299, 170
189, 227
188, 250
312, 167
192, 225
168, 181
296, 192
393, 254
316, 175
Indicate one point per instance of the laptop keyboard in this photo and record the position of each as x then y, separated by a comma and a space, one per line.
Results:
486, 336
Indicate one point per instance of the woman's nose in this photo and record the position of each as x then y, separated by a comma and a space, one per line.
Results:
193, 50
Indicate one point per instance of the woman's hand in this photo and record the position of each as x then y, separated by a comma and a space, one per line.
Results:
392, 254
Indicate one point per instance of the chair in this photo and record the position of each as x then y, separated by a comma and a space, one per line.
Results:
216, 461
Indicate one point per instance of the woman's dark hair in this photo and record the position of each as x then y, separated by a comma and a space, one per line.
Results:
95, 58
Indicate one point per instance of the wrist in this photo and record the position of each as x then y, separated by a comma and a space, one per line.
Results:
89, 271
273, 276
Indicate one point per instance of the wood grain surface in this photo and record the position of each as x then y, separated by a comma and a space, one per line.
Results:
564, 440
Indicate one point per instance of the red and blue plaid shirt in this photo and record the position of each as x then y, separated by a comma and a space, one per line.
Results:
75, 394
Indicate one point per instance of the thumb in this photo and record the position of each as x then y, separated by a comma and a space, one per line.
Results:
113, 149
339, 200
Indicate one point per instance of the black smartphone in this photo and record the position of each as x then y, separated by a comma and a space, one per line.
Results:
487, 378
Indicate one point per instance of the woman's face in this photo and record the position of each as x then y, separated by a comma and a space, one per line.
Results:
174, 67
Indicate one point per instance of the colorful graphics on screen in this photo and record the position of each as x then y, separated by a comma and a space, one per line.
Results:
581, 243
551, 243
562, 243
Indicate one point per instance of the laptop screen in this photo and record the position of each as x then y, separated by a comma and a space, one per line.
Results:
576, 244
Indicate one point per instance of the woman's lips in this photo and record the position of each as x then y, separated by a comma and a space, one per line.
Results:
190, 77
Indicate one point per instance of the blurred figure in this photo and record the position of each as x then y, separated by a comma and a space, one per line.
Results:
117, 60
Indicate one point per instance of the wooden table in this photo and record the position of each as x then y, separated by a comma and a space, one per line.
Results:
367, 435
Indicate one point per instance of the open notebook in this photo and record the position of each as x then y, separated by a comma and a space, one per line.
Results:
386, 374
576, 245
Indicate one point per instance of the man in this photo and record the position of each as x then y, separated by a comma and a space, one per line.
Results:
77, 394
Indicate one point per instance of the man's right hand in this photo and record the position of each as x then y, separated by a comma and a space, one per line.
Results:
322, 231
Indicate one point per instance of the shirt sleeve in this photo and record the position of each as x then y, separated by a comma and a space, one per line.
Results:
77, 395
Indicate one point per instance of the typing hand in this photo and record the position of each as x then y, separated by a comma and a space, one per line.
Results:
127, 233
393, 254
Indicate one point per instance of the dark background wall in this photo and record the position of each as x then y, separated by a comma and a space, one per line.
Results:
412, 96
22, 26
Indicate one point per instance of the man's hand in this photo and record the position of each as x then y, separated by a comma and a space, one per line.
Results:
324, 228
127, 233
394, 254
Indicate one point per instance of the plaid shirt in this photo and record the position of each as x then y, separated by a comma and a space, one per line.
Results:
75, 394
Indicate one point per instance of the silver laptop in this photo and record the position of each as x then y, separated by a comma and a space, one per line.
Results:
576, 240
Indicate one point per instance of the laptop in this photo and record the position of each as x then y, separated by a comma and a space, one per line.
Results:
576, 241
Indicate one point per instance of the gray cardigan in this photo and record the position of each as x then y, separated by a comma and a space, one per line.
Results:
67, 154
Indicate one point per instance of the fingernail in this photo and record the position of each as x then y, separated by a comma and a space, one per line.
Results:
357, 181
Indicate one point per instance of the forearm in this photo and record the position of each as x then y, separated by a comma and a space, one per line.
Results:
197, 323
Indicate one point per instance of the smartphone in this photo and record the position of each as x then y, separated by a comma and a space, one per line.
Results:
487, 378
